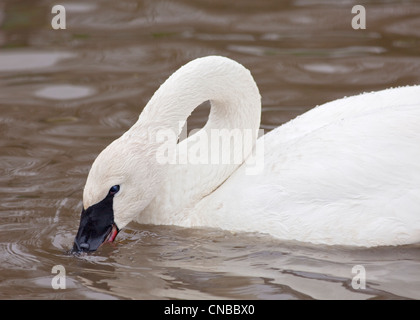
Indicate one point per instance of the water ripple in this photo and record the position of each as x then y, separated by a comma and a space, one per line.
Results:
65, 95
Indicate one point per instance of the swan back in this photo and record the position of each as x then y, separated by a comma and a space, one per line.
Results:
346, 172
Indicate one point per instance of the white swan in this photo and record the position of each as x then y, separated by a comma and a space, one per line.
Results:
346, 172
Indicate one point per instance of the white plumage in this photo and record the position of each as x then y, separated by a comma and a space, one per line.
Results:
346, 172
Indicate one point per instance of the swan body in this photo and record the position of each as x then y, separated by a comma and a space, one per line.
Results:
347, 172
344, 173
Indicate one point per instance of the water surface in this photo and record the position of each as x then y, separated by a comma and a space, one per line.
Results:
66, 94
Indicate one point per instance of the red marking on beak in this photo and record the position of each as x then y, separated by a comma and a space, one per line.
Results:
112, 234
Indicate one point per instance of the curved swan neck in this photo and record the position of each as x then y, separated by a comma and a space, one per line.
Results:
235, 106
234, 96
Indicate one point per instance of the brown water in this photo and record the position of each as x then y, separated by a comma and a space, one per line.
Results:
66, 94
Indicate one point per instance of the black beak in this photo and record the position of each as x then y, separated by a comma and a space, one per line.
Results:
96, 226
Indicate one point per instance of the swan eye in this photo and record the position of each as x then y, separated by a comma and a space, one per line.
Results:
114, 190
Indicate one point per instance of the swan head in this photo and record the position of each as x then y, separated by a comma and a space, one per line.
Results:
120, 184
126, 176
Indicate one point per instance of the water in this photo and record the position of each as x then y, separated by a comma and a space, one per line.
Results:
66, 94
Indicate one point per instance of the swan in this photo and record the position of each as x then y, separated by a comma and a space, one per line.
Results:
344, 173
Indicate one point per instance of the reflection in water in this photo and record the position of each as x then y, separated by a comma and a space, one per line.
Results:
28, 61
66, 94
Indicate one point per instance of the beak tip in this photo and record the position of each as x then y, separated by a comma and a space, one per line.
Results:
84, 246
